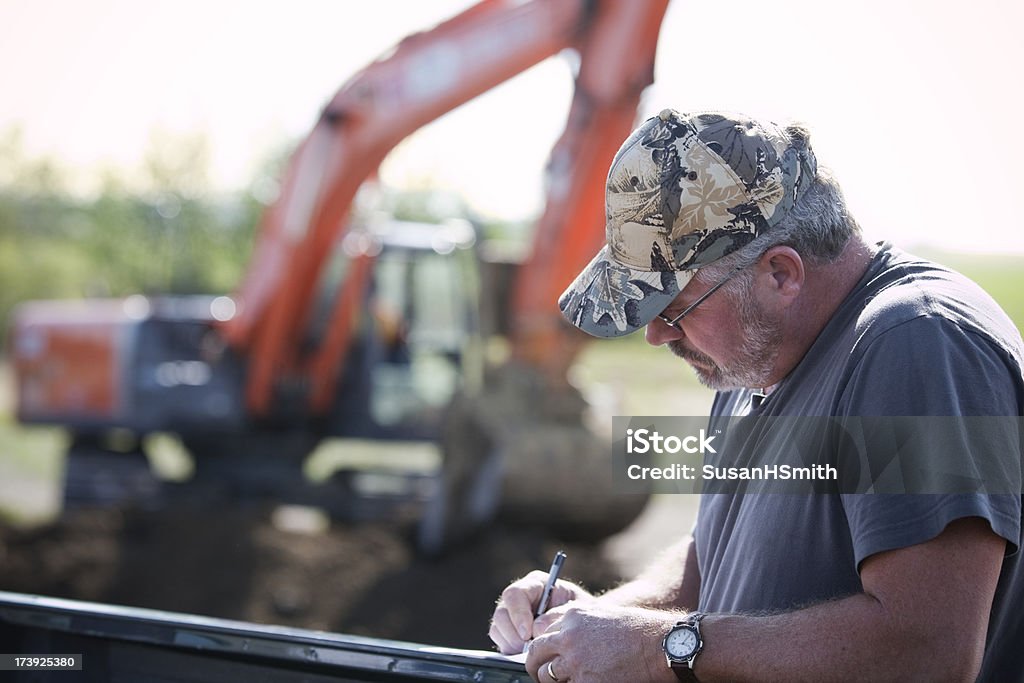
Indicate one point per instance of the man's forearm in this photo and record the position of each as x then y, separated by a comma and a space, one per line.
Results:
671, 582
855, 638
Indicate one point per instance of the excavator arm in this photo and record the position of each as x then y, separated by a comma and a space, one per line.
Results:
427, 75
137, 366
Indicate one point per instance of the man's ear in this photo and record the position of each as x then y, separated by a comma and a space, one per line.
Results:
783, 269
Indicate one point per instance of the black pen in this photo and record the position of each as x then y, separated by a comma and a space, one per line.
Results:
556, 569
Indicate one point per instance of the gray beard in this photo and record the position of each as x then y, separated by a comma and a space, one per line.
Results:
754, 359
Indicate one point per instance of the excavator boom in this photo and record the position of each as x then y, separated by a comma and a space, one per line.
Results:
341, 331
427, 75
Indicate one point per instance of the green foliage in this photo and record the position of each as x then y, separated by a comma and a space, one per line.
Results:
165, 236
426, 205
155, 231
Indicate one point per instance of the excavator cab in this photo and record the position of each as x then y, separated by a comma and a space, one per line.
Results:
417, 340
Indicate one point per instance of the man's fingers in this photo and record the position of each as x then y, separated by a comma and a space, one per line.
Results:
513, 622
542, 650
519, 599
520, 616
565, 592
504, 647
548, 620
504, 633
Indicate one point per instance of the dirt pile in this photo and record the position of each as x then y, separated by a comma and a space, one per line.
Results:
235, 563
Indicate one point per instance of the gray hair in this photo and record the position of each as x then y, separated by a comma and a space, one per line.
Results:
818, 225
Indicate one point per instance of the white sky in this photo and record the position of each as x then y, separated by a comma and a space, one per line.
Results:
915, 104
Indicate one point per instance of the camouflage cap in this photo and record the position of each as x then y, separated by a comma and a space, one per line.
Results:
683, 191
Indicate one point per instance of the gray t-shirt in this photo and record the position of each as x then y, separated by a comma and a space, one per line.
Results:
912, 339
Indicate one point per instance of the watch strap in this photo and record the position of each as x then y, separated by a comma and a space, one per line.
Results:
685, 674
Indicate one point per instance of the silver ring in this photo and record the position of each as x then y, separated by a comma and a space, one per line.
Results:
551, 672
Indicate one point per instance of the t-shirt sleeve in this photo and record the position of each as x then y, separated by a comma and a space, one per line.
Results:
880, 522
929, 366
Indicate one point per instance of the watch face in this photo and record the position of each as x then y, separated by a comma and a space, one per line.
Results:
681, 643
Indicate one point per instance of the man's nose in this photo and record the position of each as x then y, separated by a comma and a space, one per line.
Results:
659, 332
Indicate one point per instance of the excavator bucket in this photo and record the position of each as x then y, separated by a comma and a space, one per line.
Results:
519, 451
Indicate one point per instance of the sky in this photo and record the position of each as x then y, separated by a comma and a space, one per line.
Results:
915, 105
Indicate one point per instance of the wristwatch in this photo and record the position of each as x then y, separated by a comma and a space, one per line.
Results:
682, 644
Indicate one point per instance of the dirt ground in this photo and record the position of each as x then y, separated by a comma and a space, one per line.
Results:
237, 563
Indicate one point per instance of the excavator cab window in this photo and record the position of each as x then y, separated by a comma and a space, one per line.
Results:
416, 335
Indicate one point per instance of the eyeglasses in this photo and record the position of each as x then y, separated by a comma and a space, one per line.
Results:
674, 322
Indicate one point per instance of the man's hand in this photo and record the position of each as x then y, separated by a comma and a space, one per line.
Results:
592, 642
512, 625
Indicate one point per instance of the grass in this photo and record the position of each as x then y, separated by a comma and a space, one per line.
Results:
629, 377
32, 450
31, 461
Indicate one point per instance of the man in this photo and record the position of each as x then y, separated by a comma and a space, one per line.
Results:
737, 252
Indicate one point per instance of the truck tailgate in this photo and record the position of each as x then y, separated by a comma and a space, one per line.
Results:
131, 644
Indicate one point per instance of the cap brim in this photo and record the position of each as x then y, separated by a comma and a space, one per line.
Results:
609, 299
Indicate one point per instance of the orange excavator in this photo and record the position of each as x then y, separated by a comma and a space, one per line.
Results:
346, 327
